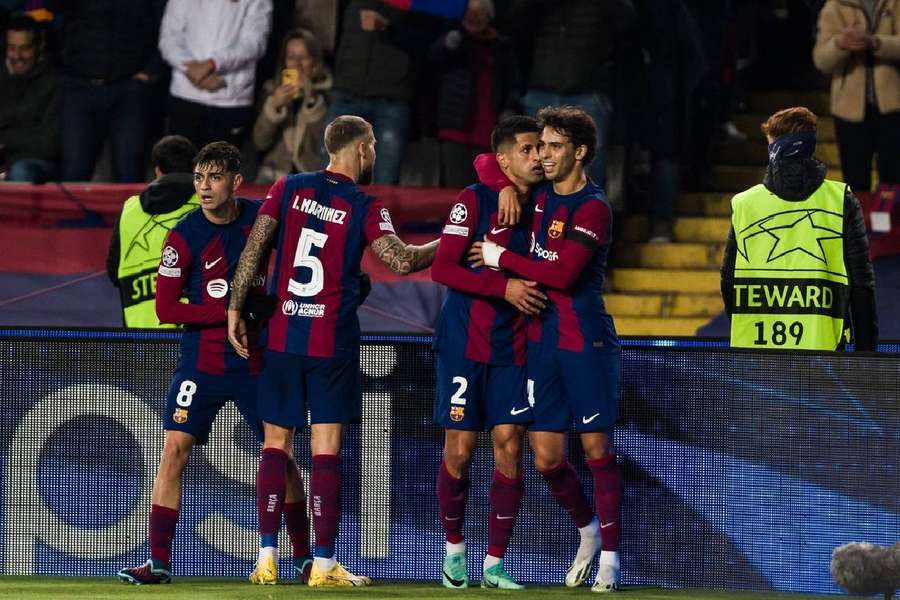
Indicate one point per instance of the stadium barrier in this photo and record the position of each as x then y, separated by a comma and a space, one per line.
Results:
743, 470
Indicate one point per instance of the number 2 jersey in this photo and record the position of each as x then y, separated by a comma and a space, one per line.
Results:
475, 321
198, 263
324, 223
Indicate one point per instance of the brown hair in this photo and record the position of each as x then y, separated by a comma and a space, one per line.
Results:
345, 130
309, 40
574, 123
789, 120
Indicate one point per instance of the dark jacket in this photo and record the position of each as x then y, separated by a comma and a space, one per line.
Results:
381, 64
164, 195
457, 78
110, 40
797, 181
29, 113
574, 41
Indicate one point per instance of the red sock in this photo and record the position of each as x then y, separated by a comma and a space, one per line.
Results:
565, 486
162, 531
452, 493
608, 499
270, 485
297, 524
506, 499
325, 501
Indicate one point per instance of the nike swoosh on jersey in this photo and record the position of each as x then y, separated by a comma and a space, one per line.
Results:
538, 209
495, 231
587, 420
605, 525
501, 517
210, 265
515, 412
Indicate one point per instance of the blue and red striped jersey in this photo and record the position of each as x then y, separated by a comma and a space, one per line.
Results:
324, 223
570, 240
475, 320
198, 263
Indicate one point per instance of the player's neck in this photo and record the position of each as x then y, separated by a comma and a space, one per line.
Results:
223, 214
342, 168
573, 182
520, 184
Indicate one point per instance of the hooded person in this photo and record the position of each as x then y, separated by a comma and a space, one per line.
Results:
139, 232
796, 272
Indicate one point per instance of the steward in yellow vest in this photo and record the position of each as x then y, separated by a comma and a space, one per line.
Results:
139, 233
796, 274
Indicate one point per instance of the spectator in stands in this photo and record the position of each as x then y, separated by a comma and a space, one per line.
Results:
213, 47
110, 65
375, 75
29, 106
321, 18
796, 271
139, 232
858, 44
574, 45
291, 124
478, 81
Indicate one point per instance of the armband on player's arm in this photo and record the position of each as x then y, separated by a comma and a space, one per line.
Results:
448, 271
258, 244
403, 258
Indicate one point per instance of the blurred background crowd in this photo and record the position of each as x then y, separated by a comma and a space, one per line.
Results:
90, 85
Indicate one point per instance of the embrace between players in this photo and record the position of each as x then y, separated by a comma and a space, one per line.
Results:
297, 353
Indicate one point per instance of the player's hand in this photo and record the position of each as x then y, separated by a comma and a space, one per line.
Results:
525, 296
510, 211
475, 256
237, 333
197, 70
370, 20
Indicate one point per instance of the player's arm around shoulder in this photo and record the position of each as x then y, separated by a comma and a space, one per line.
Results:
400, 257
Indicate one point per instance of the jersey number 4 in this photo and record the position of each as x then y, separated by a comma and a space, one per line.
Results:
302, 258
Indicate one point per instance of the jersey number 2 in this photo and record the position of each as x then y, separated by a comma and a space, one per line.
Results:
302, 258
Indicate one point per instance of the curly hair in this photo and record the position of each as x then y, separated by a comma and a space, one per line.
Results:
574, 123
221, 154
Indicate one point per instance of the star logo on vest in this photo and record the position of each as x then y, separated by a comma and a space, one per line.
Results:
791, 231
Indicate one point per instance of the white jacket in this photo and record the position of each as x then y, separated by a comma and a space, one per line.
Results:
231, 32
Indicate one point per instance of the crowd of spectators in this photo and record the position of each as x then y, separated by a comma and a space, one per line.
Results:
658, 77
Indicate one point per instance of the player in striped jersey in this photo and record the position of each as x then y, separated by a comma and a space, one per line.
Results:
199, 259
480, 347
573, 352
320, 223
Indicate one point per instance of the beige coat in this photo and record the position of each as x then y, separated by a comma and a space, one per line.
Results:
848, 69
291, 138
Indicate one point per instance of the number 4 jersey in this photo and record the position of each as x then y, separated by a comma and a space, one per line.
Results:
324, 224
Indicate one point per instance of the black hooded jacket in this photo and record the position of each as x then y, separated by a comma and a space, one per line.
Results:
797, 180
169, 192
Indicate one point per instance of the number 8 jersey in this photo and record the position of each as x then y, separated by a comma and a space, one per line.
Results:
324, 223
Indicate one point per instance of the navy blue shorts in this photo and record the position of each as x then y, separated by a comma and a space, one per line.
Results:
573, 387
473, 396
290, 385
195, 398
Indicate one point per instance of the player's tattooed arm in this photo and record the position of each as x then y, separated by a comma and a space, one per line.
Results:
403, 258
258, 244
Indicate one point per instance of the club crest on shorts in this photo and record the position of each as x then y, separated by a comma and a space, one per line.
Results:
457, 413
180, 416
556, 229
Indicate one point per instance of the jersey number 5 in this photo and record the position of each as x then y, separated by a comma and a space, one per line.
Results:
302, 258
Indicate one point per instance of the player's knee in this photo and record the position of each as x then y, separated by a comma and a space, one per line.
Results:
174, 458
547, 462
457, 459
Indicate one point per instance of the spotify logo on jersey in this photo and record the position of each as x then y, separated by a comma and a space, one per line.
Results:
217, 288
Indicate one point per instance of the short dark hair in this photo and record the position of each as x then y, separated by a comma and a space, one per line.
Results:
790, 120
574, 123
23, 23
173, 154
221, 154
506, 130
345, 130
